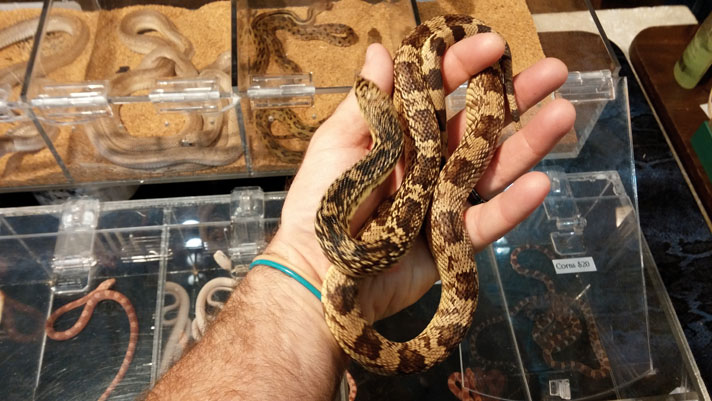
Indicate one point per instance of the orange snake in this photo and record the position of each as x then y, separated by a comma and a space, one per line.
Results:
91, 300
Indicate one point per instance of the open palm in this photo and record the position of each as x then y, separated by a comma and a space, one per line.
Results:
344, 139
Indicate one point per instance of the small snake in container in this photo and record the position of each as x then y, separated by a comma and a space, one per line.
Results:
556, 325
268, 46
204, 140
90, 301
24, 137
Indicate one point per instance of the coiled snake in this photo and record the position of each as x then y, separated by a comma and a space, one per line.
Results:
556, 325
418, 100
268, 46
206, 138
90, 301
24, 137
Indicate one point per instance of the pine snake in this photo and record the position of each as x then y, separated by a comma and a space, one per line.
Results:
90, 301
556, 325
268, 46
418, 101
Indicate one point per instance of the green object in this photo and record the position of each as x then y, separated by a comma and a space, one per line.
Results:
702, 144
289, 272
696, 58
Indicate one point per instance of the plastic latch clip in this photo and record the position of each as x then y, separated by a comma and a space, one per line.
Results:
560, 207
199, 95
247, 230
74, 251
63, 104
269, 91
588, 86
8, 109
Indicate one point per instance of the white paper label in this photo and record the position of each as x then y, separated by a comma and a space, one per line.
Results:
560, 388
574, 265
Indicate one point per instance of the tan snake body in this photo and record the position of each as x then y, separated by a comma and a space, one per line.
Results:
418, 101
90, 301
14, 74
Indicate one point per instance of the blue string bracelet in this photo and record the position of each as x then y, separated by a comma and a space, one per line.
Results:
289, 272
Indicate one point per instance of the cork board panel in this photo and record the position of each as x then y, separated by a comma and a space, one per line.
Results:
40, 168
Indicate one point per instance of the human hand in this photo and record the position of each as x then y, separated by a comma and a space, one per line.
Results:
344, 139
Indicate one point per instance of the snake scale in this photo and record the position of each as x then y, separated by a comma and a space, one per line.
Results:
556, 325
264, 28
90, 301
413, 124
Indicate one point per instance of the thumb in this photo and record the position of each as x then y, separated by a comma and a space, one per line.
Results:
346, 122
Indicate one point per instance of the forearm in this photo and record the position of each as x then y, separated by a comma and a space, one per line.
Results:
269, 342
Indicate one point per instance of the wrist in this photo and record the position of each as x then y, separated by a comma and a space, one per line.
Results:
285, 248
286, 294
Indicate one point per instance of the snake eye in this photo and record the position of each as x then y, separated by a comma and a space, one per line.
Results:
187, 143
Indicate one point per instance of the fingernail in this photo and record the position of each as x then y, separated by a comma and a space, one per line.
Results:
369, 53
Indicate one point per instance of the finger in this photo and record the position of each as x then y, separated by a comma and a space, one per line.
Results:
530, 87
468, 57
538, 81
344, 139
346, 121
527, 147
489, 221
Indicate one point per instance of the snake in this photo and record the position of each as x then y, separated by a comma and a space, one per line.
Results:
205, 139
90, 301
556, 325
475, 382
19, 332
177, 340
24, 137
413, 124
264, 29
205, 296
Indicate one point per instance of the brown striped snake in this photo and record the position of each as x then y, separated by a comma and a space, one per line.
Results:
268, 47
90, 301
24, 137
556, 325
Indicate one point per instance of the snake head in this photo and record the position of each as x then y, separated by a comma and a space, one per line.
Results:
187, 142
